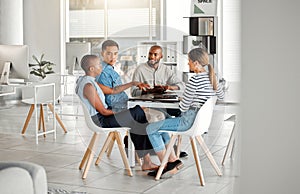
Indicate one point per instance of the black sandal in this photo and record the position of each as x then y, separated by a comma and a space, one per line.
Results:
169, 170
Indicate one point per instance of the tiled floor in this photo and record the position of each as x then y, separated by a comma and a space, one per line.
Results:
61, 157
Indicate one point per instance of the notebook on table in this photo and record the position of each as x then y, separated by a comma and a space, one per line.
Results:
157, 97
165, 97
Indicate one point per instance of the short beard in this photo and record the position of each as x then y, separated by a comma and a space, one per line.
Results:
152, 64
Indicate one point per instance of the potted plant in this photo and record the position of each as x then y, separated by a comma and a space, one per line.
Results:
42, 68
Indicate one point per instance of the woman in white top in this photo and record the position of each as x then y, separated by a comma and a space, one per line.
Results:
199, 88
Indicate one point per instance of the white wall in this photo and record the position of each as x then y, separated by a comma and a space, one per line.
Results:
231, 42
42, 29
11, 22
270, 97
176, 25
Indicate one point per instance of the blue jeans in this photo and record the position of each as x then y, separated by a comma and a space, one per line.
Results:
181, 123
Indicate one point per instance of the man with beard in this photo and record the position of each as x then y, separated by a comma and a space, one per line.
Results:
159, 77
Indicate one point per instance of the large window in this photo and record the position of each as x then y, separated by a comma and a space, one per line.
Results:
128, 22
113, 18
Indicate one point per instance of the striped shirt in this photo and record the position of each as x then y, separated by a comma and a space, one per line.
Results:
197, 91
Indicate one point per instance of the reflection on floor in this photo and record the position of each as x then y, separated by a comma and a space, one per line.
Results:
61, 157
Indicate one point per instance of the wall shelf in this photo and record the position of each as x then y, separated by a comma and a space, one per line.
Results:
202, 33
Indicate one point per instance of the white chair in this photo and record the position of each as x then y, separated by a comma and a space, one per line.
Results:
231, 142
113, 135
201, 124
40, 94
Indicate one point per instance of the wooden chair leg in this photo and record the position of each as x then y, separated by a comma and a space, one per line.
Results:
231, 141
57, 118
197, 160
42, 119
208, 154
28, 118
230, 144
110, 146
178, 145
88, 151
106, 143
90, 157
123, 153
166, 158
138, 159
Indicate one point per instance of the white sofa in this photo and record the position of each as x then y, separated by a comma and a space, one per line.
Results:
22, 177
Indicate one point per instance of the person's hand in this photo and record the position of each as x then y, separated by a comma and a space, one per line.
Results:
156, 90
164, 87
142, 86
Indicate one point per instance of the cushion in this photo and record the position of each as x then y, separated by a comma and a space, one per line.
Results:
15, 180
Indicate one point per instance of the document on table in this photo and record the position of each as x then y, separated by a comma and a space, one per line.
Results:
165, 97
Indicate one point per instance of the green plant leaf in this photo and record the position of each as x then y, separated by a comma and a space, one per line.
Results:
49, 72
34, 57
42, 68
36, 73
42, 56
32, 65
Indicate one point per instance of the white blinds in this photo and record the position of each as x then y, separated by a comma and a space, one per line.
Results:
121, 23
86, 23
130, 22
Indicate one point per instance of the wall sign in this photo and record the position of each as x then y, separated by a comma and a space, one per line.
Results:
203, 7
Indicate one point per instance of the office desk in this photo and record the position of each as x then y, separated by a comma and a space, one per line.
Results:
7, 93
231, 96
10, 89
148, 101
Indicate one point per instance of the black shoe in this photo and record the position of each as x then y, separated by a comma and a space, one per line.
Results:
165, 172
176, 164
169, 170
152, 173
183, 155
